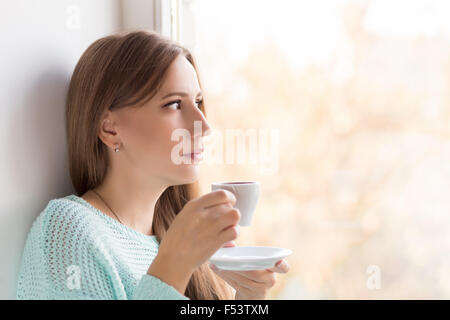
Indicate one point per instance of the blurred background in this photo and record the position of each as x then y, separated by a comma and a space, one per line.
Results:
357, 92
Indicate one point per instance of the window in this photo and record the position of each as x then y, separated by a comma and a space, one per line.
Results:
358, 92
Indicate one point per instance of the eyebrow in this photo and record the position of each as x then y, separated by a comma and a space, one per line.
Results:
183, 94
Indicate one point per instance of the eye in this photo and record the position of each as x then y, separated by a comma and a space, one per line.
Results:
176, 102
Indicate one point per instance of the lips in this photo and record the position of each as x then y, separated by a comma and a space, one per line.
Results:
194, 156
201, 149
197, 155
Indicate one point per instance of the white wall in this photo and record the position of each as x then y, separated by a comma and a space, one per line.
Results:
41, 41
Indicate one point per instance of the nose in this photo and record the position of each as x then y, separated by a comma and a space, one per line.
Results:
198, 117
199, 127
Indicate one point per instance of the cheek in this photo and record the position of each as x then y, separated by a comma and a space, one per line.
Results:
144, 137
154, 141
150, 147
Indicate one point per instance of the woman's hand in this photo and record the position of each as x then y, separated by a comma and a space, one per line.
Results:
253, 284
201, 228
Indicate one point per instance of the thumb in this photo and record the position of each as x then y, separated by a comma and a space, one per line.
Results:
281, 267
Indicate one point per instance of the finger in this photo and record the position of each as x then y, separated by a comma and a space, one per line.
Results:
281, 267
230, 281
255, 275
219, 209
240, 279
228, 234
260, 276
223, 215
229, 244
232, 225
218, 197
238, 287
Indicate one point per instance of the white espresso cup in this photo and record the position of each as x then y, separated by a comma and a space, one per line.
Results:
247, 195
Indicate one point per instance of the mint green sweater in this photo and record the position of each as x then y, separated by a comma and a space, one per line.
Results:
75, 251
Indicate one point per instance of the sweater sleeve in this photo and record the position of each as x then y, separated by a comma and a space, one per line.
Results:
152, 288
78, 265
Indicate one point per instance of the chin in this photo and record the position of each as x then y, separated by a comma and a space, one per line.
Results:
189, 174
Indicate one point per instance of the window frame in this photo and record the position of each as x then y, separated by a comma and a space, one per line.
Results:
167, 18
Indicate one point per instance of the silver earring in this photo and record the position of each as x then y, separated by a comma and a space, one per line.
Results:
117, 148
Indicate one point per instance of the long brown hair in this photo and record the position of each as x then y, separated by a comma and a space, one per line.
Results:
116, 71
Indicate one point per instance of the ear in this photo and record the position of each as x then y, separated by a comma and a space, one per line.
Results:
107, 131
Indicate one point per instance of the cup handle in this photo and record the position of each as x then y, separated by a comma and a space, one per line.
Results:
234, 191
235, 194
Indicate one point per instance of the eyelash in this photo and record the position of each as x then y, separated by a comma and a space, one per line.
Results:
200, 103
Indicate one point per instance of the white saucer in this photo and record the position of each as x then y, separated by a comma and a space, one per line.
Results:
248, 257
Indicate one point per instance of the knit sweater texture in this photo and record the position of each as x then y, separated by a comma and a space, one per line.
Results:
75, 251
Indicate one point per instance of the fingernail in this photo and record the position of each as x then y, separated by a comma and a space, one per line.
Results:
279, 263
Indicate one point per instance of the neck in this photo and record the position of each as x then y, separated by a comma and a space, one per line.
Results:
132, 199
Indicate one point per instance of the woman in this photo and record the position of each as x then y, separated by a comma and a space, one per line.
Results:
137, 227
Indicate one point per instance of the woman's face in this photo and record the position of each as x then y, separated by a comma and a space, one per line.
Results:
145, 133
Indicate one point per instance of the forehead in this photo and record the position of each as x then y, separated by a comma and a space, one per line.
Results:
181, 76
